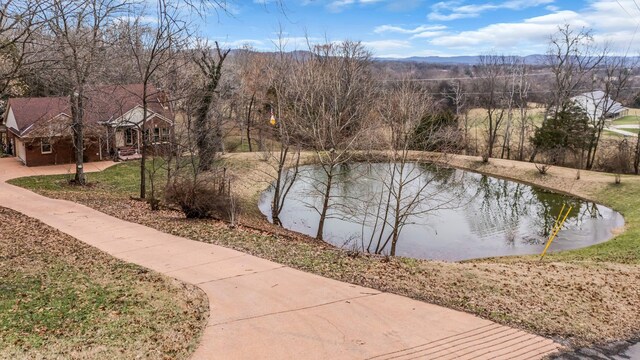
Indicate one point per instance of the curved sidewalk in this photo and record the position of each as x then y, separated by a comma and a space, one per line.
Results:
264, 310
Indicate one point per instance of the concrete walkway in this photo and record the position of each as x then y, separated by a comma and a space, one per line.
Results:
620, 130
264, 310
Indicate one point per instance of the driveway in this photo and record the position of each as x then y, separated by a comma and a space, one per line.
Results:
264, 310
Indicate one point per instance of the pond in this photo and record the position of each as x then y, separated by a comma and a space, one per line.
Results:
446, 214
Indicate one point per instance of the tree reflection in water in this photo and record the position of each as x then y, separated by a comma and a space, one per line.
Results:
459, 214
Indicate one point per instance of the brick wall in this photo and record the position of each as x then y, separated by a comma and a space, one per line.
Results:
62, 152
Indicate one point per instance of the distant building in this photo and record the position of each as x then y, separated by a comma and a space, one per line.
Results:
597, 106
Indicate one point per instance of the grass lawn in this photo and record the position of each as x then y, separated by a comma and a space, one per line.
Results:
122, 179
60, 298
627, 120
624, 248
584, 296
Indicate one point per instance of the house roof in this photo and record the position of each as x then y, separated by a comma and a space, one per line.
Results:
597, 103
29, 111
103, 104
108, 103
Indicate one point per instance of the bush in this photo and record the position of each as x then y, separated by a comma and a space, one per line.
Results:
438, 132
616, 158
203, 197
542, 168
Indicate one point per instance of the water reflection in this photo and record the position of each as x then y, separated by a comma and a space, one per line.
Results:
460, 215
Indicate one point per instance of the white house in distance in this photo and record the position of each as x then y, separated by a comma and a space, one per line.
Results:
598, 105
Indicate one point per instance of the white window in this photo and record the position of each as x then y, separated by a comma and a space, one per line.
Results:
165, 134
45, 146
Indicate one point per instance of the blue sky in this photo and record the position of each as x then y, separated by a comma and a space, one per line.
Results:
405, 28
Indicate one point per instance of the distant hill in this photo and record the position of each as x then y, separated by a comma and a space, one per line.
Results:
535, 59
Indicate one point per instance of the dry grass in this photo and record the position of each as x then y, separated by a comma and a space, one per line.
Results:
60, 298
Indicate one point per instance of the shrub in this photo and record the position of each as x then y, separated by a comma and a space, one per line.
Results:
542, 168
203, 197
438, 131
617, 158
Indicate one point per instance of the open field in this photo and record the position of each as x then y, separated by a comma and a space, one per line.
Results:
583, 296
477, 131
60, 298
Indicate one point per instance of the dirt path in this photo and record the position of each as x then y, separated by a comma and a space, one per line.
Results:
261, 309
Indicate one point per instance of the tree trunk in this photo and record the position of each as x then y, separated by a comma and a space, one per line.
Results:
143, 159
325, 205
249, 122
77, 128
275, 205
636, 159
206, 151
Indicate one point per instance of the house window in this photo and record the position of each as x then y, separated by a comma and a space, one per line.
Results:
128, 136
45, 146
165, 135
156, 135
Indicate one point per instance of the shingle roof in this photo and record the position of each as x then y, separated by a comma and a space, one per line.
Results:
110, 102
29, 111
103, 104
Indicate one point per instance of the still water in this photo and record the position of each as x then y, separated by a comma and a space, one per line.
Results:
448, 214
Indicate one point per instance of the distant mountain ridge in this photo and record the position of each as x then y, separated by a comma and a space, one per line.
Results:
534, 59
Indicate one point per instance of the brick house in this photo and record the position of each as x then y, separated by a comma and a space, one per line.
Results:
38, 129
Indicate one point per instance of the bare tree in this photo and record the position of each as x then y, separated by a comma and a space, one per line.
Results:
251, 68
612, 84
495, 95
522, 100
572, 57
401, 109
334, 92
19, 26
76, 30
459, 98
286, 160
152, 46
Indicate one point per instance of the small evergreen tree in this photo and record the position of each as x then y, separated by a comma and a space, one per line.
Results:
568, 131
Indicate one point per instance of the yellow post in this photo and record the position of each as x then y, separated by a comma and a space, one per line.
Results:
557, 229
555, 225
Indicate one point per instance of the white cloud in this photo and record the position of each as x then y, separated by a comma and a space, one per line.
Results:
510, 36
427, 34
453, 10
382, 46
607, 19
397, 29
339, 5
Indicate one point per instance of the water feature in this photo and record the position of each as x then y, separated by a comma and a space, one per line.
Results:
458, 214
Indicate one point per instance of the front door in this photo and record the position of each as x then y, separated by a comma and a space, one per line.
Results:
119, 139
20, 150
